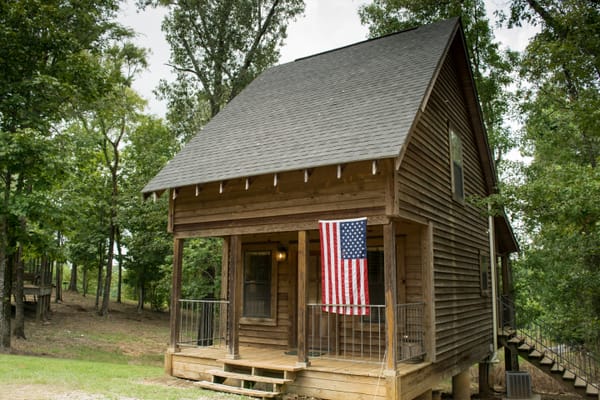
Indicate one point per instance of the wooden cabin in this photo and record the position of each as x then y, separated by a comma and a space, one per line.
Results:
389, 129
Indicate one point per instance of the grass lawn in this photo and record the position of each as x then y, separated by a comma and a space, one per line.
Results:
43, 378
77, 355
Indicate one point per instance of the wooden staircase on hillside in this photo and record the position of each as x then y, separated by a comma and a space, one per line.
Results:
250, 378
577, 369
573, 378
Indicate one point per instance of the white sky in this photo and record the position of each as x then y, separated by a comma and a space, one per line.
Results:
326, 25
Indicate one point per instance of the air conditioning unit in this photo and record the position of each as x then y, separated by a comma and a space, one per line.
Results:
518, 385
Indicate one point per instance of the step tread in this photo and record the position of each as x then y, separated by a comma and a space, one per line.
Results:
524, 347
248, 377
547, 361
557, 368
568, 375
516, 340
219, 387
535, 354
261, 364
580, 383
592, 390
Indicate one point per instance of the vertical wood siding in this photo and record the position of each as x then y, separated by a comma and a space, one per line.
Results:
463, 316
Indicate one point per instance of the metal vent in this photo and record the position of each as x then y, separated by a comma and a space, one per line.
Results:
518, 385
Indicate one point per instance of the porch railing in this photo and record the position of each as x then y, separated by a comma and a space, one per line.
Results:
362, 337
410, 329
203, 322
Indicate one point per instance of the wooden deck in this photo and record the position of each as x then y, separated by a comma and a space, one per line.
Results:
324, 378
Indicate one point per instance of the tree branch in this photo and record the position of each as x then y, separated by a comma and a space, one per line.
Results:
237, 83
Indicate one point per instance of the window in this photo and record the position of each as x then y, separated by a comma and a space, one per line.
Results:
456, 161
260, 283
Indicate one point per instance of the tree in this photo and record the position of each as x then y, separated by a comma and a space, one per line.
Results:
113, 117
492, 67
144, 223
217, 48
557, 196
46, 66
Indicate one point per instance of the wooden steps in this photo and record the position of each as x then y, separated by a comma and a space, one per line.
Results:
546, 361
245, 377
250, 378
219, 387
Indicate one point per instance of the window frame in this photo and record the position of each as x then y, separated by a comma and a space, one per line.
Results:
255, 320
456, 160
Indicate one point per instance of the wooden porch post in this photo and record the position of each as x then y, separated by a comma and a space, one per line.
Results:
176, 293
303, 251
237, 271
224, 295
428, 292
389, 254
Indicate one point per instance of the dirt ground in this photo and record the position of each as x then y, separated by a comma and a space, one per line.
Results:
74, 324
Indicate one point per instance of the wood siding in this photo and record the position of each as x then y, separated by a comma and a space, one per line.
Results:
463, 316
265, 207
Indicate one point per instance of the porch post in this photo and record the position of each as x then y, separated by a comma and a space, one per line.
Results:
176, 293
428, 292
303, 252
235, 246
224, 295
389, 254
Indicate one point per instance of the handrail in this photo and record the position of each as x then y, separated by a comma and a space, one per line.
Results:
572, 356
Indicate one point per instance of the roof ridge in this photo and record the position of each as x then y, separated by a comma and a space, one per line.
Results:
374, 38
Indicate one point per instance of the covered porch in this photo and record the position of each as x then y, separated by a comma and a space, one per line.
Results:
322, 378
272, 318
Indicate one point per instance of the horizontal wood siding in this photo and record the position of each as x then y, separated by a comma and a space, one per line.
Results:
336, 385
264, 203
463, 316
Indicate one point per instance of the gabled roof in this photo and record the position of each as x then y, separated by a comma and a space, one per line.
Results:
350, 104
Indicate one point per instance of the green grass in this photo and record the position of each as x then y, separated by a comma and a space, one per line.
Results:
112, 381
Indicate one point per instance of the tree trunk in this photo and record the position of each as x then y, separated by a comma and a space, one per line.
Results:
85, 281
73, 281
19, 329
58, 289
141, 295
107, 279
120, 261
5, 270
113, 232
99, 282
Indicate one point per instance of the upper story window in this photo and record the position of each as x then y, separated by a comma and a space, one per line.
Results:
456, 162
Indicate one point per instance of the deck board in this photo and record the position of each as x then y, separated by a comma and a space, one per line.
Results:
277, 359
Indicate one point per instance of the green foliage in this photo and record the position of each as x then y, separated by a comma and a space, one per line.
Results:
144, 223
217, 48
492, 67
48, 62
556, 198
202, 268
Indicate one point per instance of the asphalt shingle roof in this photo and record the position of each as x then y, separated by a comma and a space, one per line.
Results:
350, 104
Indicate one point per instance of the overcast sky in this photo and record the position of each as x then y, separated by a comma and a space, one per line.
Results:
326, 25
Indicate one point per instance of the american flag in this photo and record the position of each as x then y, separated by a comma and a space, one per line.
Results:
345, 288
